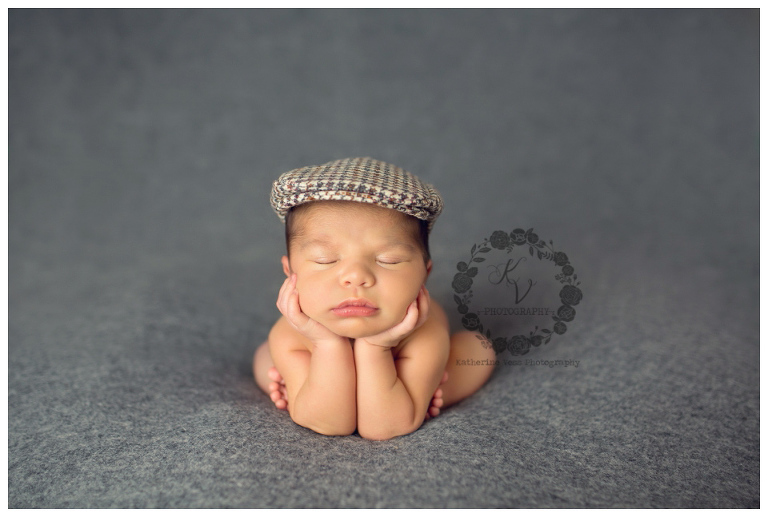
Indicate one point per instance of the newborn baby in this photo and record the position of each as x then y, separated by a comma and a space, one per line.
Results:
360, 345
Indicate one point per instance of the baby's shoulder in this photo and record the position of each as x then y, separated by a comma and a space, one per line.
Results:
283, 335
437, 315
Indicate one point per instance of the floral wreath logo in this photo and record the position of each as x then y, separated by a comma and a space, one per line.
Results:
570, 294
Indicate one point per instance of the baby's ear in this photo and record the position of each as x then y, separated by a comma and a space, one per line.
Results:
286, 265
429, 267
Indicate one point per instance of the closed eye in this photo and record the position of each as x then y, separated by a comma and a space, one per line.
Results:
389, 262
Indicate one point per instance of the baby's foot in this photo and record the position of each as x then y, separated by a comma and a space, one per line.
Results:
277, 389
437, 400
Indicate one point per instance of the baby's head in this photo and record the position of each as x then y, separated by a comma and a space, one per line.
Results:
411, 230
356, 229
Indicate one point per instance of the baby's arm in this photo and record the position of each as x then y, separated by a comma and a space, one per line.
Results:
317, 366
393, 395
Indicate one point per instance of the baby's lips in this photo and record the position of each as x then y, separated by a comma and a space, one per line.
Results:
355, 302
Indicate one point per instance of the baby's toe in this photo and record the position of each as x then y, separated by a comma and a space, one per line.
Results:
273, 374
274, 386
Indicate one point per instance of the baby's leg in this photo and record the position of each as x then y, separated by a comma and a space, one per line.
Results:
470, 364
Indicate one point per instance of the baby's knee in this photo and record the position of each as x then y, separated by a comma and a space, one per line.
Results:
472, 349
470, 365
471, 345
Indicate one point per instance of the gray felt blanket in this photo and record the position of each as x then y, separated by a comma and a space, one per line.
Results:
144, 257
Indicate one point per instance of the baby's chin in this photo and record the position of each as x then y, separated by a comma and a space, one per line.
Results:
355, 328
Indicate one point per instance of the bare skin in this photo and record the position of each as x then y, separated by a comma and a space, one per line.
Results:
279, 396
467, 379
360, 345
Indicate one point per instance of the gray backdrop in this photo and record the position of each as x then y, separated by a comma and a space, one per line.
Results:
144, 256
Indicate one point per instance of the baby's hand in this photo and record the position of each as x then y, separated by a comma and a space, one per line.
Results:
415, 317
288, 304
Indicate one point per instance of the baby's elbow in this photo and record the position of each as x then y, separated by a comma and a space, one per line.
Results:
382, 433
337, 428
341, 430
377, 435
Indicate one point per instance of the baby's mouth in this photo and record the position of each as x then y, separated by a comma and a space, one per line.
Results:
355, 307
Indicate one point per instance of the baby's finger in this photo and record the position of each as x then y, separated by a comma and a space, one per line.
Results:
410, 320
285, 289
289, 285
294, 313
290, 306
423, 301
413, 317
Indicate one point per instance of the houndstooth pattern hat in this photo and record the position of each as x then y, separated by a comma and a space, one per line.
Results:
364, 180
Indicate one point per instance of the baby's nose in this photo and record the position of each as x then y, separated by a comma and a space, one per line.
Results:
357, 275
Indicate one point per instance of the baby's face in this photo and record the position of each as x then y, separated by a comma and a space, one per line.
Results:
358, 266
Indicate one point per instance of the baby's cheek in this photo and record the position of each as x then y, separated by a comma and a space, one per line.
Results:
309, 304
303, 289
304, 298
406, 302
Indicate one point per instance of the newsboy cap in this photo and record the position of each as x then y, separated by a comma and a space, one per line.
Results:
364, 180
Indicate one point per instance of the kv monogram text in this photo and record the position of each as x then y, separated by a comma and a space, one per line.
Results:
498, 276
